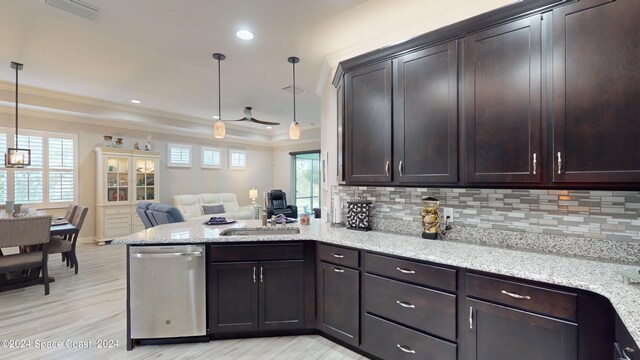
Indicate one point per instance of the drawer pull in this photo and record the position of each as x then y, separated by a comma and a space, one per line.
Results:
516, 296
405, 271
624, 353
338, 270
337, 256
405, 304
406, 349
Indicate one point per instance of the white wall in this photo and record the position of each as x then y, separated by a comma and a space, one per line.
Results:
173, 181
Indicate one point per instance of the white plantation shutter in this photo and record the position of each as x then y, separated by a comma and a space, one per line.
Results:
237, 159
179, 155
51, 179
61, 170
211, 158
3, 171
29, 181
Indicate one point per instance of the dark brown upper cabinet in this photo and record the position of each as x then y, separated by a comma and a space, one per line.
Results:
502, 103
425, 116
596, 85
368, 124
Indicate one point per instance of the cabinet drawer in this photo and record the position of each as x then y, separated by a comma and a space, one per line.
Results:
339, 256
117, 210
527, 297
417, 273
424, 309
117, 221
390, 341
250, 252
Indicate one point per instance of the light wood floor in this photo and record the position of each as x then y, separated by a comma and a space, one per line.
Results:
90, 307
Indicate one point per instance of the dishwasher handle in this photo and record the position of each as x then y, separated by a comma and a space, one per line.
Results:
167, 255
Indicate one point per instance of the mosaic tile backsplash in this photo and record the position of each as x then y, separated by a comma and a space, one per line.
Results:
605, 215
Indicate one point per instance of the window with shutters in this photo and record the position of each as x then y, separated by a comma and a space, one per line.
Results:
52, 178
211, 158
237, 159
179, 155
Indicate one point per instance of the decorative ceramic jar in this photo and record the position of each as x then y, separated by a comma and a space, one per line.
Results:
108, 140
358, 215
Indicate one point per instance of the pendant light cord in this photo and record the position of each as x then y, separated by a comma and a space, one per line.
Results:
294, 93
219, 81
17, 70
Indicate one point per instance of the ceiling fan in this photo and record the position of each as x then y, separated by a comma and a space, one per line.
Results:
248, 117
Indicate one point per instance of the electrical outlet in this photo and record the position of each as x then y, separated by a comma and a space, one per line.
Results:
448, 212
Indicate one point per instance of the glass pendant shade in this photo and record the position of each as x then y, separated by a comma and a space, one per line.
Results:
219, 130
294, 131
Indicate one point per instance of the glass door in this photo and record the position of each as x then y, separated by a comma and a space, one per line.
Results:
117, 179
306, 169
145, 179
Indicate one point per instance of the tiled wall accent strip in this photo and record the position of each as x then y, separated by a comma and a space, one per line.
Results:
605, 215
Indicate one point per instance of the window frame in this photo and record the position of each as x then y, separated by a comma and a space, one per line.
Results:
170, 162
237, 151
45, 169
203, 165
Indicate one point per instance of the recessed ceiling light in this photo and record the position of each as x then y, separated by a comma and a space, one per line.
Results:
245, 34
216, 117
269, 127
135, 101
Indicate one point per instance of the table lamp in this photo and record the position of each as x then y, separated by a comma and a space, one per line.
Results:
253, 195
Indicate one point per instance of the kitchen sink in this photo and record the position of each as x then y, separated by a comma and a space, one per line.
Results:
259, 231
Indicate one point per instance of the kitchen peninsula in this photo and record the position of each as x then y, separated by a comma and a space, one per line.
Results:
585, 285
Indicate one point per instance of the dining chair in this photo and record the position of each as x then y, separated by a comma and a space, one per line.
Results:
71, 212
31, 234
67, 245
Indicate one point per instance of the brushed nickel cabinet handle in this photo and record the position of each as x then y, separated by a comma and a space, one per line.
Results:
559, 162
406, 349
254, 274
405, 271
405, 304
261, 277
400, 168
386, 168
516, 296
337, 256
470, 317
535, 163
338, 270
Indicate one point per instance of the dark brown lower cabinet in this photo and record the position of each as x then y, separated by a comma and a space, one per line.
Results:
498, 332
250, 296
387, 340
339, 302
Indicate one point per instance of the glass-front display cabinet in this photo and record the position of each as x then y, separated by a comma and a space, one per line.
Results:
123, 178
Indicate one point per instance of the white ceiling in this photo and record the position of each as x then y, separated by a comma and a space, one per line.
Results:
159, 51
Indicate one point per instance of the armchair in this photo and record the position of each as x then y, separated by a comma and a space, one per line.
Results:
277, 204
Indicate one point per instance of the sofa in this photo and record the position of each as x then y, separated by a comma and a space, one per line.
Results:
192, 208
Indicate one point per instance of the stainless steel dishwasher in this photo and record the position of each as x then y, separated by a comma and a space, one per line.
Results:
167, 291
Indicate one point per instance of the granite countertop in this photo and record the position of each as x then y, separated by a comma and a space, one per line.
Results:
598, 276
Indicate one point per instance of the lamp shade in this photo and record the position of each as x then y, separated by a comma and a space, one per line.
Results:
253, 193
219, 130
294, 131
17, 158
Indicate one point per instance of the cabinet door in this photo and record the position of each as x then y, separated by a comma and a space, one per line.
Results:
233, 296
596, 83
502, 103
426, 116
281, 294
339, 302
501, 333
340, 133
368, 124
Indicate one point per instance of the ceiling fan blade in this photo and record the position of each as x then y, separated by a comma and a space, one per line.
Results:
264, 122
243, 119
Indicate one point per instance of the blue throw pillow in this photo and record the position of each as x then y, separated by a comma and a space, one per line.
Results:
213, 209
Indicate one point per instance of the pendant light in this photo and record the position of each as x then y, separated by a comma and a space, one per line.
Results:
219, 130
294, 128
16, 157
